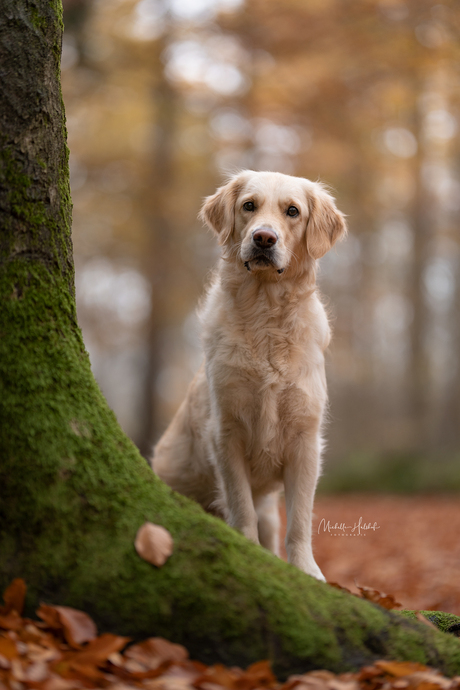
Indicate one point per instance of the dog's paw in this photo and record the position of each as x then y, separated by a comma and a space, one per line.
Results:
318, 574
313, 570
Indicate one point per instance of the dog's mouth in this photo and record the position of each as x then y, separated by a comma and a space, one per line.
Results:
260, 260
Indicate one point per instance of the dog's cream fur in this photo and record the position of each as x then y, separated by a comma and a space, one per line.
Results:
251, 421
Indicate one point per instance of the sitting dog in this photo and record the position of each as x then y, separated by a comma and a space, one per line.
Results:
252, 418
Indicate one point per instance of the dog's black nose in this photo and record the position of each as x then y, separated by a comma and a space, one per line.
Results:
264, 238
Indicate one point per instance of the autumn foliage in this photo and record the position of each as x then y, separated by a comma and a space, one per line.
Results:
64, 651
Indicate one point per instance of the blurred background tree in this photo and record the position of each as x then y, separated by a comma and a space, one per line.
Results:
166, 97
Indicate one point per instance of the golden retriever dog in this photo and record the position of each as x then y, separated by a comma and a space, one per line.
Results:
251, 422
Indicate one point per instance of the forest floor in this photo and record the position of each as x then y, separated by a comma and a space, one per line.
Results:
405, 546
410, 550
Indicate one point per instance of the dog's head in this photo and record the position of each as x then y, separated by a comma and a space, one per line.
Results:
272, 222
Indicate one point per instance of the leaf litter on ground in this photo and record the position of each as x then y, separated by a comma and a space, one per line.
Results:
414, 553
63, 651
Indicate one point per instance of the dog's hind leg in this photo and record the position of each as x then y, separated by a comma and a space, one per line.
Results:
268, 521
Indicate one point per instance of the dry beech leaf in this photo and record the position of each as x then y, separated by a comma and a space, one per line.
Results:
420, 617
76, 626
305, 683
385, 600
17, 670
50, 616
154, 543
338, 684
156, 651
11, 621
98, 651
14, 596
432, 678
36, 672
8, 648
218, 675
168, 683
36, 652
368, 673
400, 668
337, 586
322, 674
58, 683
258, 675
261, 674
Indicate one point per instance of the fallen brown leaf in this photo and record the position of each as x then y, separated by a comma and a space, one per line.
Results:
337, 586
14, 596
385, 600
339, 684
97, 651
8, 648
430, 677
11, 621
258, 675
155, 651
36, 672
154, 543
368, 673
420, 617
76, 626
57, 683
400, 668
305, 682
218, 675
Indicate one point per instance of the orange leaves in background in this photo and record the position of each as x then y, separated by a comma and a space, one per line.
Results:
415, 553
63, 652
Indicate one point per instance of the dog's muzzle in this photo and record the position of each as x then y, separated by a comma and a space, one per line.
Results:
263, 248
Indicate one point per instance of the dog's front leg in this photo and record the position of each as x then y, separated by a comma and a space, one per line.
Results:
301, 473
235, 483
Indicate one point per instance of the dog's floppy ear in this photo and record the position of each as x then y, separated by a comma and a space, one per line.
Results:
218, 210
326, 224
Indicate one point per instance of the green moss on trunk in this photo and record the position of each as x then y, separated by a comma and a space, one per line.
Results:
74, 490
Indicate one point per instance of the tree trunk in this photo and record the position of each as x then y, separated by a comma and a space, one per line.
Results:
160, 252
74, 490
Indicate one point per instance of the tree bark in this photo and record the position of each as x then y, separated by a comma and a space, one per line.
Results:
73, 488
160, 253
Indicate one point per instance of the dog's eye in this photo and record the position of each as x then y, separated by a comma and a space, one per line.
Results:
249, 206
292, 211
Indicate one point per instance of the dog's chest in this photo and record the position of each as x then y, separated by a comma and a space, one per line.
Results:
271, 385
269, 352
271, 421
265, 368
